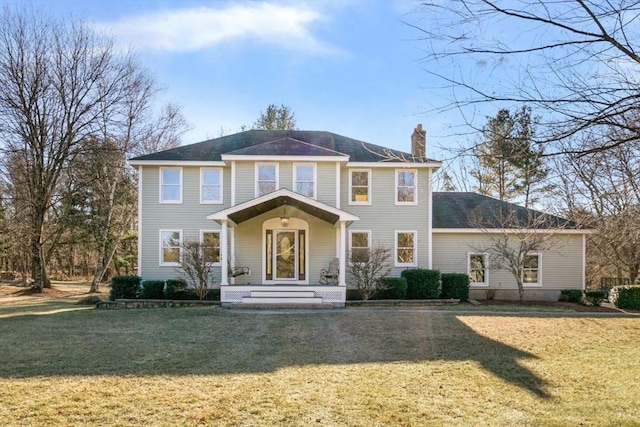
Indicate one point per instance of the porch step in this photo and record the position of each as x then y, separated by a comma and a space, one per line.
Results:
281, 300
283, 306
285, 294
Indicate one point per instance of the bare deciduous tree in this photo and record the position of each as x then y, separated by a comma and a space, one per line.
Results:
576, 62
59, 80
513, 236
369, 268
195, 266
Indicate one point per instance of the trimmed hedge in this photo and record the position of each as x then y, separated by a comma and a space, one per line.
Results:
394, 288
626, 297
455, 286
175, 289
124, 287
153, 289
595, 297
570, 295
422, 283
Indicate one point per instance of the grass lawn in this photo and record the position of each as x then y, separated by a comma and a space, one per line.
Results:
61, 364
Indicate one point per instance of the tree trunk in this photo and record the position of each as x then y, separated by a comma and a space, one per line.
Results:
520, 290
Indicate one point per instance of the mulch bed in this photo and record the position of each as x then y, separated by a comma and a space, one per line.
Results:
556, 304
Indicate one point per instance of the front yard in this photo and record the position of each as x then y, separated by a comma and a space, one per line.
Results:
64, 364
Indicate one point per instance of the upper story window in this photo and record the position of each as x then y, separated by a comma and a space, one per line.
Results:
477, 269
531, 270
170, 242
210, 241
360, 187
210, 185
360, 244
406, 187
304, 179
406, 249
266, 178
170, 185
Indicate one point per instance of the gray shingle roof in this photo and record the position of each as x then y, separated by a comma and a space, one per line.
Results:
472, 210
211, 150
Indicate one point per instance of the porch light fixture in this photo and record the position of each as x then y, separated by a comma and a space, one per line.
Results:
284, 219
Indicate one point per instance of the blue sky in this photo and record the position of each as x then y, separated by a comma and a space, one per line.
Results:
350, 67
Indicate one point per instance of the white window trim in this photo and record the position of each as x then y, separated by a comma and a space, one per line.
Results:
351, 240
211, 202
169, 202
486, 268
169, 264
369, 192
415, 248
202, 232
315, 177
415, 187
538, 284
257, 167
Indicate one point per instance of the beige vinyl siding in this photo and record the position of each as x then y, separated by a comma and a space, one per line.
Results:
189, 216
561, 266
383, 217
245, 181
326, 173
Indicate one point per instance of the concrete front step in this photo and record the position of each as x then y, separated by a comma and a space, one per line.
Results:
285, 294
283, 306
281, 300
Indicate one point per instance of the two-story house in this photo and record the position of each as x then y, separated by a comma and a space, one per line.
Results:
280, 206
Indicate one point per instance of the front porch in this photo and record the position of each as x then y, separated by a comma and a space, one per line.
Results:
291, 245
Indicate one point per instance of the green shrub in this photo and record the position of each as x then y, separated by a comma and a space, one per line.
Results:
626, 297
392, 288
125, 287
595, 297
455, 285
422, 283
153, 289
570, 295
175, 289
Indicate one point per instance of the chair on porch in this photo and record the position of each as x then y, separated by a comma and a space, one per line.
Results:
235, 271
331, 275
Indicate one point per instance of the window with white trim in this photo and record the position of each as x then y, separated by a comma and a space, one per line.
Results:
170, 185
406, 248
170, 242
304, 179
360, 187
477, 269
359, 245
210, 241
531, 270
266, 178
210, 185
406, 187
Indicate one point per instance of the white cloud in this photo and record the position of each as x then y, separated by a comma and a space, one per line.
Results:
193, 29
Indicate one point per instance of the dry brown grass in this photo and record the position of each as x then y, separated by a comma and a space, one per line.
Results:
206, 366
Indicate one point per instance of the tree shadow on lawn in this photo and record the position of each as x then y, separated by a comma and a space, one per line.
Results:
200, 341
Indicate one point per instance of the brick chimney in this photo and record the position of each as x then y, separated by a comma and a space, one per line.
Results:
419, 142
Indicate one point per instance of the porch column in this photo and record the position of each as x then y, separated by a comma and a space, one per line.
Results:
343, 255
224, 254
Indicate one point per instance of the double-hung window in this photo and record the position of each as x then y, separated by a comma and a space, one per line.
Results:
266, 178
406, 248
531, 270
170, 242
477, 269
360, 187
406, 187
170, 185
210, 241
360, 244
304, 179
210, 185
